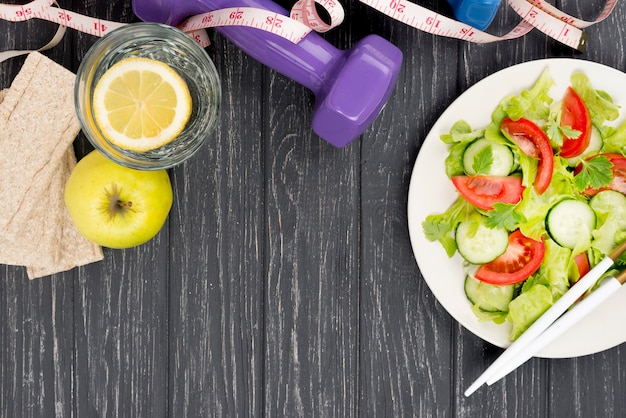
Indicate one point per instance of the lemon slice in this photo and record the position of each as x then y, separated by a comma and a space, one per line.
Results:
141, 104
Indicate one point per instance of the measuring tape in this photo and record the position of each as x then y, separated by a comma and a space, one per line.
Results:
43, 9
535, 14
556, 24
304, 18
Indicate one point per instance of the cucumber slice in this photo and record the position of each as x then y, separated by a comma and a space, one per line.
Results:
488, 297
595, 144
487, 158
480, 244
568, 220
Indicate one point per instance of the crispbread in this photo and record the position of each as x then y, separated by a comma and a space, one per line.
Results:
73, 242
37, 127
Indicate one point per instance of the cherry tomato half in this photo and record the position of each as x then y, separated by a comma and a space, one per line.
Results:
484, 191
574, 114
619, 174
533, 142
522, 258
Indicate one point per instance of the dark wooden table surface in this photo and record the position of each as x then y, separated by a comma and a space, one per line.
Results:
284, 283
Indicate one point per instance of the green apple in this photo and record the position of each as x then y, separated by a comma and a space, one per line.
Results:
116, 206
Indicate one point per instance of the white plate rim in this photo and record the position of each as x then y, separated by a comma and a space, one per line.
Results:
444, 276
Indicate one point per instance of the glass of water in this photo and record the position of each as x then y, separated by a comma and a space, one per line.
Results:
183, 55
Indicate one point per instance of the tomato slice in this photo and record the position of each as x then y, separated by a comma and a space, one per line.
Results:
522, 258
484, 191
619, 174
533, 142
582, 263
574, 114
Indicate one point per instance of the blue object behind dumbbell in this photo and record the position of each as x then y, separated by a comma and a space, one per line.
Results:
478, 13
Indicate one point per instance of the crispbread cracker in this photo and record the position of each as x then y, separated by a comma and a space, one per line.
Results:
37, 127
73, 242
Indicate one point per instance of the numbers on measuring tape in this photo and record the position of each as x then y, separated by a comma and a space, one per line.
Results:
251, 17
293, 30
432, 21
23, 13
467, 32
397, 6
238, 14
100, 27
274, 21
304, 18
64, 16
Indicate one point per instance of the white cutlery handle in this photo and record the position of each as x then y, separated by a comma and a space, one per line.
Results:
580, 310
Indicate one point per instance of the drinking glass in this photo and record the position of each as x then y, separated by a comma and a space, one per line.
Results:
181, 53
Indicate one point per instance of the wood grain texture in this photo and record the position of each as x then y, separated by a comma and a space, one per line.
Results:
311, 299
217, 260
121, 306
284, 282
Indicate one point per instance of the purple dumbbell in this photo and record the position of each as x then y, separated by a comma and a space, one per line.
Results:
351, 87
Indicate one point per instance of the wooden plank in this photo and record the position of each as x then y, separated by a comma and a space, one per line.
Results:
311, 291
217, 259
120, 305
36, 344
121, 333
405, 362
36, 317
589, 386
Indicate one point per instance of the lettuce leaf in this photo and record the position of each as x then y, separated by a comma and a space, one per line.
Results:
460, 136
461, 132
527, 307
441, 227
454, 160
602, 109
610, 209
616, 141
542, 289
600, 104
532, 104
554, 271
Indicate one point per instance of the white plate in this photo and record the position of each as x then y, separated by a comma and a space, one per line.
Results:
432, 192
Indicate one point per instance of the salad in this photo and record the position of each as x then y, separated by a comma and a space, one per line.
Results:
541, 198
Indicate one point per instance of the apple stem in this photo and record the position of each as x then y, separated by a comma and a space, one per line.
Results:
117, 206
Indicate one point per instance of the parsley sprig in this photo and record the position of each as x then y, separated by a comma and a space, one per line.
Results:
483, 161
595, 173
504, 215
555, 131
